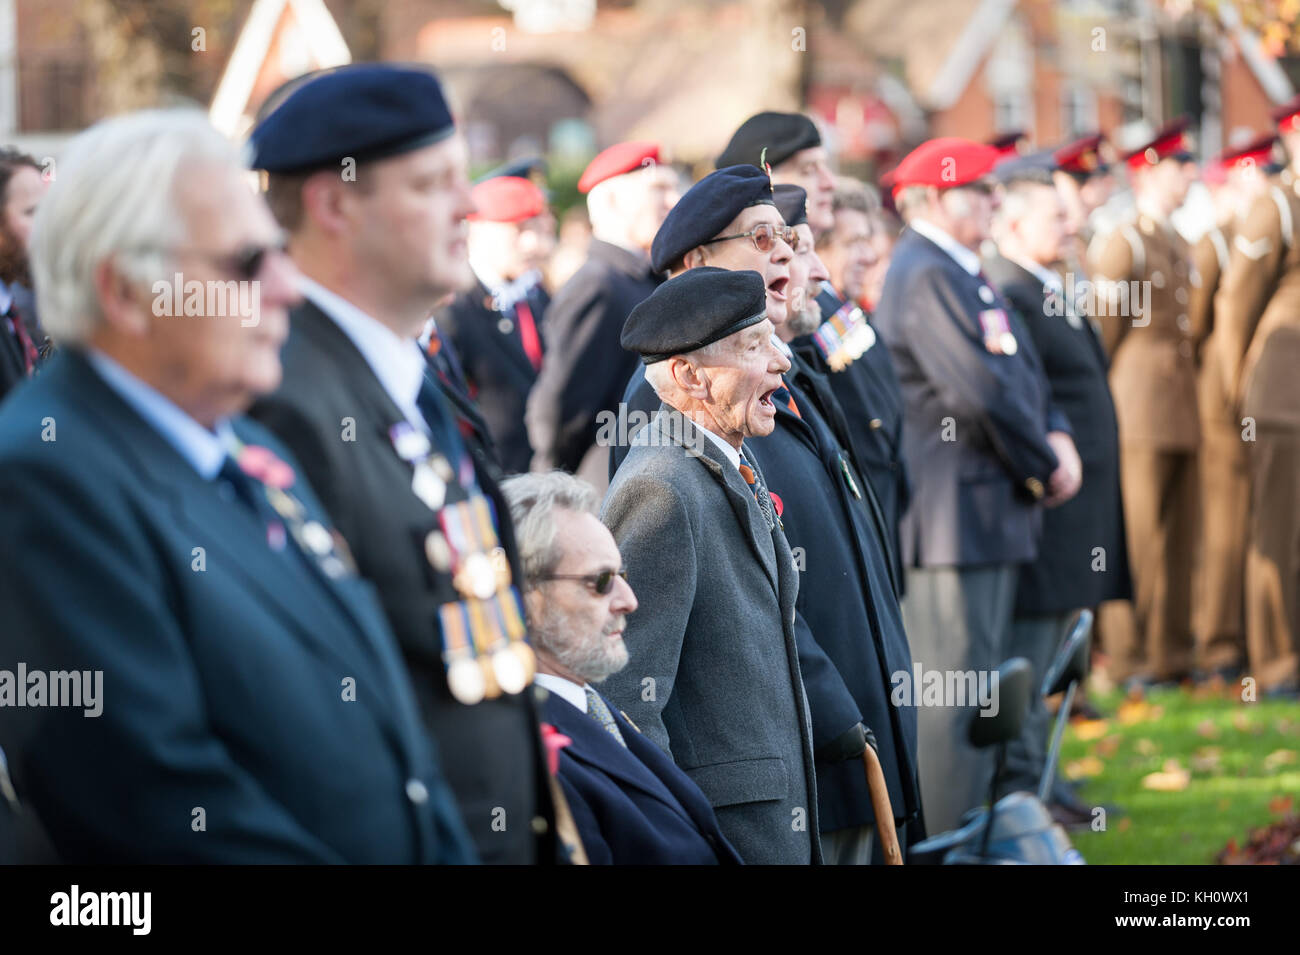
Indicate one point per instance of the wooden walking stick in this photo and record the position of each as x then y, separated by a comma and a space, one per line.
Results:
881, 806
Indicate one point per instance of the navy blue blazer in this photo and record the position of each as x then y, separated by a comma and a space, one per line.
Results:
975, 422
632, 806
226, 670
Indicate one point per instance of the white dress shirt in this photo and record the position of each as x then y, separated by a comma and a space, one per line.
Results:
397, 362
565, 689
968, 260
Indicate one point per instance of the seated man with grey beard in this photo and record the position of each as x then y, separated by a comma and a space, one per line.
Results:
632, 805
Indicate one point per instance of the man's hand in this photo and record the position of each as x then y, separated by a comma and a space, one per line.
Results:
849, 744
1068, 476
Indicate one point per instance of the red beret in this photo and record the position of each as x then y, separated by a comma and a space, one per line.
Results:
945, 163
1287, 116
1257, 152
1170, 141
1081, 157
616, 160
1014, 143
506, 199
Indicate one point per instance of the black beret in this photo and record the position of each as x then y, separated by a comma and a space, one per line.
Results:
696, 308
1035, 167
705, 210
791, 202
365, 112
783, 134
530, 167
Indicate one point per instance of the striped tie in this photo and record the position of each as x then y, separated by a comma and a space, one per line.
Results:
783, 395
599, 712
757, 488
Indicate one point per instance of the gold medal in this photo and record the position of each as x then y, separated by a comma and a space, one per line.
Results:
479, 576
428, 487
526, 658
465, 680
437, 551
510, 673
284, 505
1008, 343
500, 567
441, 467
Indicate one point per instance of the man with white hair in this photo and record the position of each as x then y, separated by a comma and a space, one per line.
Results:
235, 694
628, 194
714, 674
631, 803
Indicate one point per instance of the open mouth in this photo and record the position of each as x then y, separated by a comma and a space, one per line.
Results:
765, 401
776, 288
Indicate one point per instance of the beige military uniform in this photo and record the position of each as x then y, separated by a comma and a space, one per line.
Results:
1219, 601
1257, 316
1144, 281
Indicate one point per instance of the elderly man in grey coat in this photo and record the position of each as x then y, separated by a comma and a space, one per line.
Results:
713, 676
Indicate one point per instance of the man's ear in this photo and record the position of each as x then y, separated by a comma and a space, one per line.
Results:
533, 604
119, 299
323, 201
694, 258
693, 381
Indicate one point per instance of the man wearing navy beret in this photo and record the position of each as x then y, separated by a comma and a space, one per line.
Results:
848, 627
368, 176
699, 532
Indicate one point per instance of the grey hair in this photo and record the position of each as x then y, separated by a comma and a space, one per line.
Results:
911, 201
114, 197
854, 194
533, 500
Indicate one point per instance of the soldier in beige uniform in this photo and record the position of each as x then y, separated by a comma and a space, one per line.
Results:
1257, 312
1144, 284
1236, 178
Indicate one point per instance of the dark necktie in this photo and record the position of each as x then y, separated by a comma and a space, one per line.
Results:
445, 432
25, 343
528, 336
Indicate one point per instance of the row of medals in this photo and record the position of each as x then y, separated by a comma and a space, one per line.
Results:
844, 341
484, 649
327, 547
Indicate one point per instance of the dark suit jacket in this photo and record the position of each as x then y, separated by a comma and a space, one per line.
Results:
492, 751
868, 392
975, 424
848, 604
716, 636
632, 805
586, 368
1064, 578
222, 682
496, 367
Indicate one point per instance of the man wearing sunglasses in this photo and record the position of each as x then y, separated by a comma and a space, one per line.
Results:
631, 803
368, 174
160, 541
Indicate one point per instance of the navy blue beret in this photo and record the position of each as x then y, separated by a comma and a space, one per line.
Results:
1034, 167
705, 211
782, 134
696, 308
791, 202
365, 112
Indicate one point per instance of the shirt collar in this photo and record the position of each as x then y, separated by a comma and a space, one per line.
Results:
204, 450
397, 362
6, 298
963, 256
1045, 275
565, 689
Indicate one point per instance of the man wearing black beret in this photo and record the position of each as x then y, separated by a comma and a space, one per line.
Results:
848, 627
844, 346
716, 580
368, 177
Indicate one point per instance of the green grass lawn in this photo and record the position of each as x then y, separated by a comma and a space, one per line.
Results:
1228, 767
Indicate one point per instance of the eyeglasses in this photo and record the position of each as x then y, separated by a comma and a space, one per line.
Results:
245, 263
601, 583
764, 236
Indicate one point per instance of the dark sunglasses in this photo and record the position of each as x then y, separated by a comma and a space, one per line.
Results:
764, 236
601, 583
245, 263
